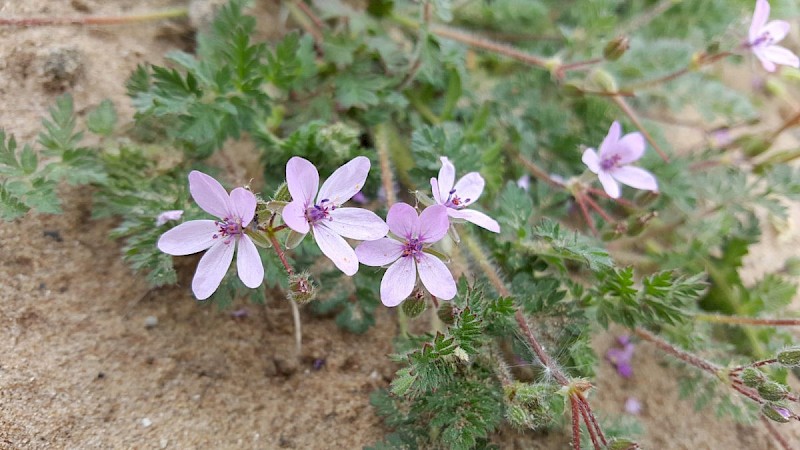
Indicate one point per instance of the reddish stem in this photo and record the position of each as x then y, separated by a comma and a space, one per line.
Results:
678, 353
623, 105
776, 434
588, 409
765, 362
587, 421
277, 246
579, 198
576, 425
599, 210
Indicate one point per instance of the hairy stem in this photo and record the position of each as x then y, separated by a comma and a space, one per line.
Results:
703, 60
298, 331
387, 177
623, 105
592, 422
576, 424
538, 172
739, 320
776, 434
684, 356
94, 20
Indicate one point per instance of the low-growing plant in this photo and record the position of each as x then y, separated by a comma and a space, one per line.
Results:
519, 204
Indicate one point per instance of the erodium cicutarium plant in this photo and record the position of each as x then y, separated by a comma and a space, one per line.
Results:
506, 274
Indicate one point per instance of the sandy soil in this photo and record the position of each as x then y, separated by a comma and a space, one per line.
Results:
81, 370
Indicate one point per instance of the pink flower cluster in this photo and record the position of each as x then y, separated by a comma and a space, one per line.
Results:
320, 211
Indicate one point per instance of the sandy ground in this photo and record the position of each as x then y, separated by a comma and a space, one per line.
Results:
81, 370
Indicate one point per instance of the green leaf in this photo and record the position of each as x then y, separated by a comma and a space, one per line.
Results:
11, 207
102, 119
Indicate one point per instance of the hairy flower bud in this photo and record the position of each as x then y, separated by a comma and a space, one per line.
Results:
622, 444
282, 193
301, 288
445, 313
604, 81
790, 357
776, 412
616, 48
752, 377
772, 391
415, 305
517, 416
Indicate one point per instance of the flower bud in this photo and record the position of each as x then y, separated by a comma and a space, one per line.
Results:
572, 89
752, 377
603, 80
293, 239
790, 357
415, 305
616, 48
301, 288
777, 413
772, 391
517, 416
282, 193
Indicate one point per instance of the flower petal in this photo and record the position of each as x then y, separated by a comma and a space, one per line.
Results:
248, 263
777, 29
336, 249
403, 221
294, 216
478, 218
470, 187
591, 160
760, 16
212, 269
435, 277
630, 148
610, 141
189, 237
435, 191
243, 204
433, 224
447, 176
209, 194
357, 223
302, 179
345, 182
379, 252
768, 65
780, 55
398, 281
635, 177
609, 185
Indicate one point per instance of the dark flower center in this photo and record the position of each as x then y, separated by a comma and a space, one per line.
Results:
320, 211
609, 163
412, 247
454, 201
763, 39
228, 228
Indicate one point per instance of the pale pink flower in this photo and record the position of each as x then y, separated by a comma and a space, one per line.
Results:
235, 211
457, 197
611, 163
407, 255
166, 216
763, 36
325, 218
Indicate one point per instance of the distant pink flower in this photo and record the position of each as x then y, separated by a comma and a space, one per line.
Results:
612, 162
633, 406
620, 357
408, 256
464, 193
166, 216
763, 36
235, 211
325, 218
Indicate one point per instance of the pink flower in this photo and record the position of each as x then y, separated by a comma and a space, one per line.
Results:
464, 193
408, 256
763, 36
612, 162
166, 216
235, 211
328, 221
